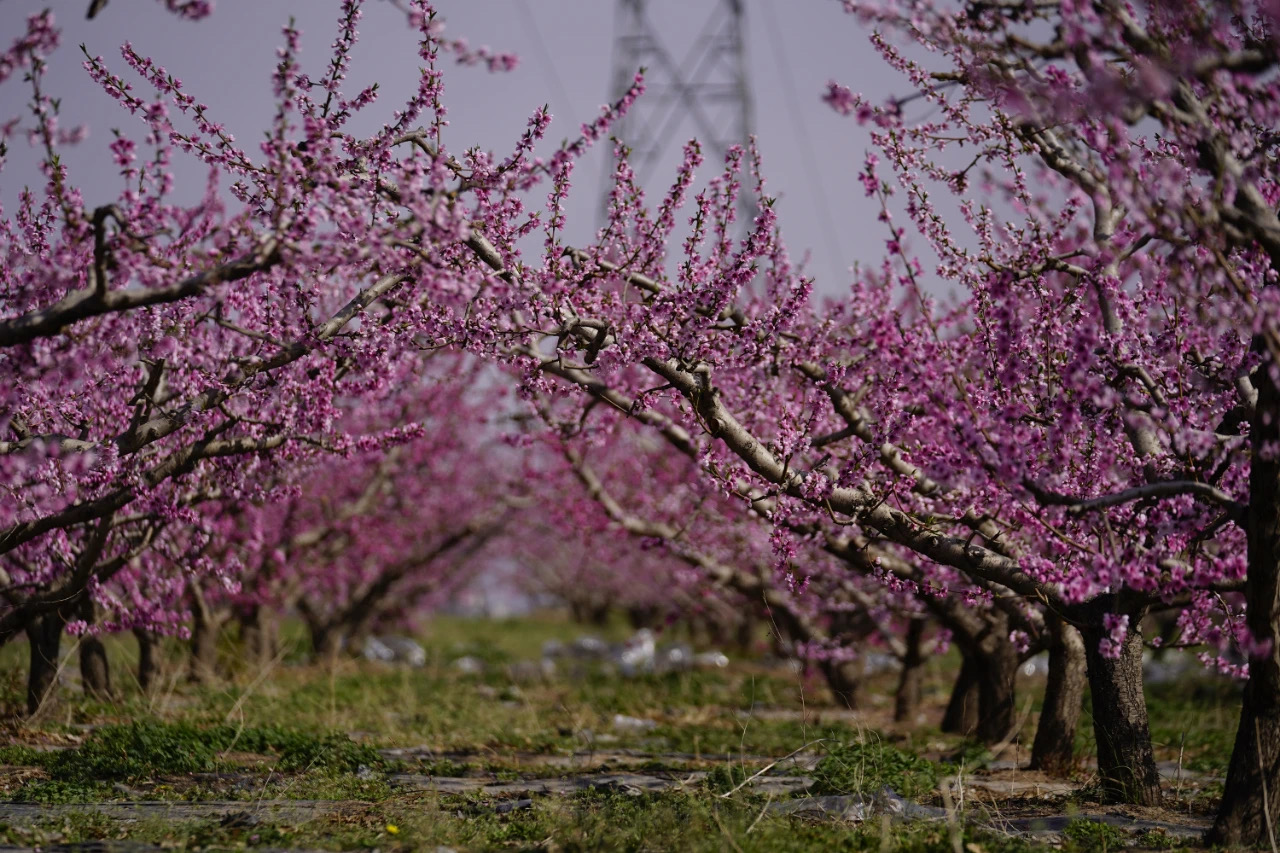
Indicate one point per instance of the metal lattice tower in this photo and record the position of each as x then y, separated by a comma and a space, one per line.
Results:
708, 88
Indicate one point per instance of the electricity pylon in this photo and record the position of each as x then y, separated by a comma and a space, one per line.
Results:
707, 88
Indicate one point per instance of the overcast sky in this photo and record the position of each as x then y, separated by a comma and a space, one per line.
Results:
566, 48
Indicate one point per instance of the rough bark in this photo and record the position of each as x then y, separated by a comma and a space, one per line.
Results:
1126, 763
906, 699
95, 670
1250, 812
44, 634
843, 679
1054, 748
997, 676
982, 699
147, 666
961, 716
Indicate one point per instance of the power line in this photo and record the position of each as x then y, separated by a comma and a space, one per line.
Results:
707, 87
798, 122
548, 63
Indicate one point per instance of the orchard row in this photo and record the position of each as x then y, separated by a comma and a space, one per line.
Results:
361, 365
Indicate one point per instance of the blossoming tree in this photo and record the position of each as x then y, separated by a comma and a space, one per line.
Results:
1089, 430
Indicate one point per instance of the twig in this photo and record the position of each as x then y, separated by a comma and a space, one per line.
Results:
253, 685
1182, 743
953, 827
1262, 777
760, 816
716, 817
769, 767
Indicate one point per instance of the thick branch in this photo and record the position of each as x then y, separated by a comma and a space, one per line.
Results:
95, 301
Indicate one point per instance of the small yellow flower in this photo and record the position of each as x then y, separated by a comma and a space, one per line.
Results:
393, 829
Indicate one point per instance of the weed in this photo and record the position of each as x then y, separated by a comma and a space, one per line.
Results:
444, 767
725, 777
61, 791
1087, 836
332, 754
137, 750
866, 767
24, 756
1158, 839
971, 755
326, 786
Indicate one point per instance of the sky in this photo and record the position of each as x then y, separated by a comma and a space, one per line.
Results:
566, 47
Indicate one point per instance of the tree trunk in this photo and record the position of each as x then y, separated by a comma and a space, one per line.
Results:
981, 701
44, 634
961, 716
1054, 748
744, 634
906, 699
258, 636
1250, 812
643, 616
95, 671
147, 668
997, 677
204, 645
1126, 764
598, 615
843, 679
585, 612
326, 641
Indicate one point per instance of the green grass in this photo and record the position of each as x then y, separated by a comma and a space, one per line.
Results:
311, 732
592, 820
143, 751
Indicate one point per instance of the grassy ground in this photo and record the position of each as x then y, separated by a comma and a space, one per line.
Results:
319, 737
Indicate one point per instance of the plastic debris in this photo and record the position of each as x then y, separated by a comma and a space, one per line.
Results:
859, 807
589, 647
638, 655
711, 660
469, 665
623, 723
393, 649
